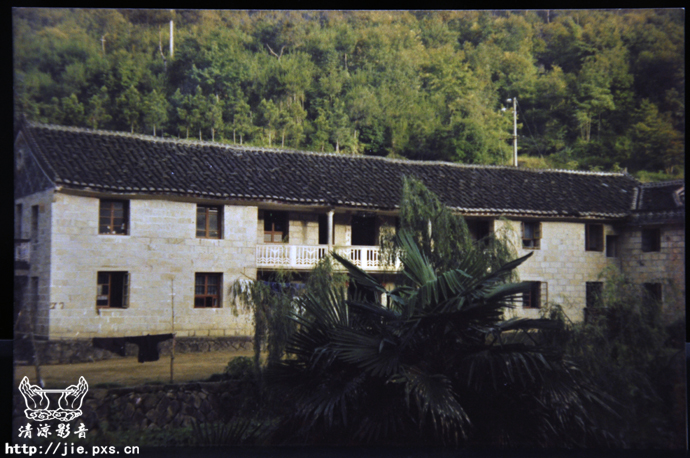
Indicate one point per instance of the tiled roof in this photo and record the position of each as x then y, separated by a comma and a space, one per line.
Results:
659, 203
125, 163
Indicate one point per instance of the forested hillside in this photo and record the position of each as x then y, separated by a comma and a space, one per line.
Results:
596, 90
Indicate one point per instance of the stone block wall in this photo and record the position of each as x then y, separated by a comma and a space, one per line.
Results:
666, 266
561, 262
161, 254
39, 263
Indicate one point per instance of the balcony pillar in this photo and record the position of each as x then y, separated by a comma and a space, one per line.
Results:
330, 230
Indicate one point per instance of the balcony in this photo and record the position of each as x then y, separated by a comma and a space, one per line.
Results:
286, 256
22, 254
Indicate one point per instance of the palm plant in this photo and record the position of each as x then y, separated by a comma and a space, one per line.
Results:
432, 362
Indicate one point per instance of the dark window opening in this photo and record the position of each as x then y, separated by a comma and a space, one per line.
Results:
275, 226
34, 223
536, 296
651, 240
18, 221
323, 230
209, 222
207, 290
531, 235
594, 290
611, 246
113, 290
363, 230
653, 291
594, 237
113, 217
479, 229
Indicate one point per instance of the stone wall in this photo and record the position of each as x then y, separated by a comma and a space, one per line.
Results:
561, 261
70, 351
666, 266
149, 406
161, 254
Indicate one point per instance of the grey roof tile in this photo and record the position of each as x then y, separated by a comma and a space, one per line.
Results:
115, 161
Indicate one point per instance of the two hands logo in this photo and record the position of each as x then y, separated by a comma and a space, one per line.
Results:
38, 403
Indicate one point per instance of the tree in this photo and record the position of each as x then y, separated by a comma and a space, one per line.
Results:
129, 103
98, 109
155, 110
434, 364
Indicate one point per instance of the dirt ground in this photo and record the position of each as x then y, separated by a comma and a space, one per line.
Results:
127, 371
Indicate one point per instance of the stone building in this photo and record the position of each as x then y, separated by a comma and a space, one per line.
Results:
125, 235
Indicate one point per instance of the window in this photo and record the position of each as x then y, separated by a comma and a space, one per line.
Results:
113, 290
531, 235
207, 289
479, 229
113, 217
594, 237
593, 293
18, 221
536, 296
323, 230
611, 246
275, 226
651, 240
364, 230
653, 291
209, 222
34, 223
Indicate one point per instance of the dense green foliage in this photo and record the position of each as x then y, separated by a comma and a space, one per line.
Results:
435, 364
629, 351
595, 89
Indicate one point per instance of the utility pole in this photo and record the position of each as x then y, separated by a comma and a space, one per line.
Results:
515, 160
171, 34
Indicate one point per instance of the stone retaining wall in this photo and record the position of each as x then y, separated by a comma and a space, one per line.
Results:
82, 350
149, 406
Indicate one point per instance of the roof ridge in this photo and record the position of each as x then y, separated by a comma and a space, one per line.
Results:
659, 184
152, 138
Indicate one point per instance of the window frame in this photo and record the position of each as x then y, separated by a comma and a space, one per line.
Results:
654, 290
35, 215
206, 295
285, 235
538, 294
111, 217
207, 229
650, 239
536, 240
124, 304
611, 246
593, 230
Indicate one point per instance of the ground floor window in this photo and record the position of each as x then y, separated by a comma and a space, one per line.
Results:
536, 296
207, 290
113, 290
653, 291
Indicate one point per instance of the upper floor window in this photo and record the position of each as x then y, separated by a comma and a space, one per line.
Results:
113, 217
594, 237
479, 229
207, 290
209, 221
364, 230
531, 235
536, 296
275, 226
611, 246
18, 210
113, 290
34, 223
651, 240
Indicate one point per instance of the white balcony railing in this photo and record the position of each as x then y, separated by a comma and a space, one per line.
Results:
305, 257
